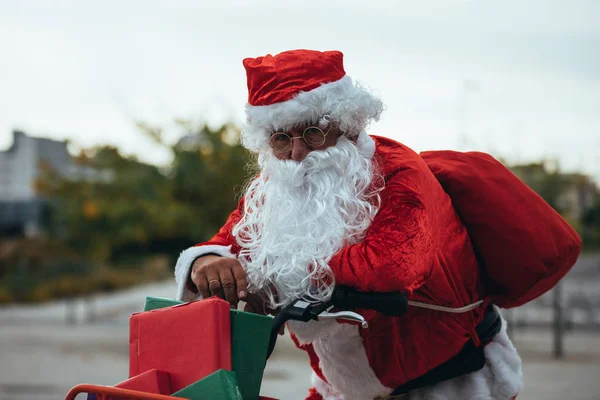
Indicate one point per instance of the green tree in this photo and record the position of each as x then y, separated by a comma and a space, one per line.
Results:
118, 209
591, 224
545, 179
208, 177
570, 194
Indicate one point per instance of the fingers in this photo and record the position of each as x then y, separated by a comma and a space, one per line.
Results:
214, 282
202, 285
199, 274
220, 276
228, 285
241, 284
255, 304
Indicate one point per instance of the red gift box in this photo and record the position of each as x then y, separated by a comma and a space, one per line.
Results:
188, 341
152, 381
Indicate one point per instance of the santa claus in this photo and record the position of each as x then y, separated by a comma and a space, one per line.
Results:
333, 205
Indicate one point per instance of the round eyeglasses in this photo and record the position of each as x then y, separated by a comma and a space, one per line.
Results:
313, 136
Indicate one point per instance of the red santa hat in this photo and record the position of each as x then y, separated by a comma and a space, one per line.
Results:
300, 87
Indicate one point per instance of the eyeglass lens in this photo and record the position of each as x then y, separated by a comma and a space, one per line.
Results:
282, 142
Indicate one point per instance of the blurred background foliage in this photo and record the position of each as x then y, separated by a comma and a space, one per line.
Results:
117, 221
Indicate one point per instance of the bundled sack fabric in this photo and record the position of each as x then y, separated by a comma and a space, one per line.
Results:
515, 233
188, 341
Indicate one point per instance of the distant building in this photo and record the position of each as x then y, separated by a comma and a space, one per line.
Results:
22, 211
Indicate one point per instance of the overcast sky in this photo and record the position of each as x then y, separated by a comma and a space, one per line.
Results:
520, 79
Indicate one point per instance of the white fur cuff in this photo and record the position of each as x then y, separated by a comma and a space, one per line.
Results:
351, 105
324, 388
308, 332
500, 379
184, 263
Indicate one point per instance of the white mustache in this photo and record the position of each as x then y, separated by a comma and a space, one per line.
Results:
298, 215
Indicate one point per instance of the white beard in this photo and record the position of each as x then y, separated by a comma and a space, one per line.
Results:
298, 215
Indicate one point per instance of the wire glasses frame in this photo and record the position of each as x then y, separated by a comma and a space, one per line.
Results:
313, 136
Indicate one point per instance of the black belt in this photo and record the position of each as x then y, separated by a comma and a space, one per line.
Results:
470, 359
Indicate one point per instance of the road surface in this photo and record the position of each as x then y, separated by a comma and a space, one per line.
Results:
41, 356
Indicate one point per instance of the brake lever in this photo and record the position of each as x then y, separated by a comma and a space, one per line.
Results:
300, 310
345, 315
297, 310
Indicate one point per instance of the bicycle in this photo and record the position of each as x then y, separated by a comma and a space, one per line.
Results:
340, 306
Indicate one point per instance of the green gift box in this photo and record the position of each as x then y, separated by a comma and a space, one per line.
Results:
220, 385
154, 303
249, 343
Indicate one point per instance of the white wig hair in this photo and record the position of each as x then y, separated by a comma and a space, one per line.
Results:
343, 102
297, 215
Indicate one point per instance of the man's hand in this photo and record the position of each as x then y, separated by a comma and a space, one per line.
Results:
220, 276
256, 304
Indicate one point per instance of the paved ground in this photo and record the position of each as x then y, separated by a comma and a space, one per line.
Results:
41, 357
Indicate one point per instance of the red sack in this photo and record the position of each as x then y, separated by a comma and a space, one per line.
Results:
188, 341
524, 246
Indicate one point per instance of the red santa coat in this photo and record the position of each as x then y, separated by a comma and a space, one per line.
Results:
417, 245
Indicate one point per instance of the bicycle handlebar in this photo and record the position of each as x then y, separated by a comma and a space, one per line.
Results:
391, 304
345, 298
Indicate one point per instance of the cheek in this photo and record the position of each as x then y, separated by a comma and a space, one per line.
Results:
331, 141
284, 156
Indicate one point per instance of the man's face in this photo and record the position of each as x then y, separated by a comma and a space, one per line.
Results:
299, 148
298, 214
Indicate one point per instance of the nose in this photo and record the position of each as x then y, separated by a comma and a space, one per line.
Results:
299, 150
